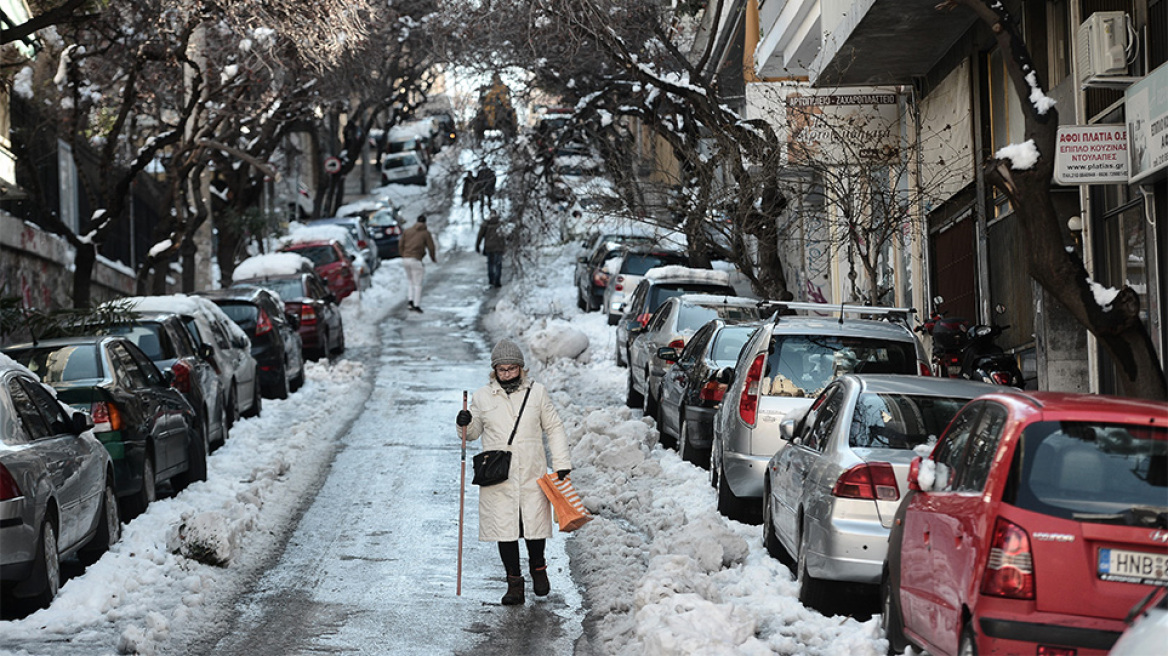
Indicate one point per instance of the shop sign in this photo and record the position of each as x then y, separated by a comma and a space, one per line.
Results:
1146, 108
1091, 154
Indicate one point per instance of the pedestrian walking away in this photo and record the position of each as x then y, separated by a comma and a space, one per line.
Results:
492, 242
514, 405
414, 243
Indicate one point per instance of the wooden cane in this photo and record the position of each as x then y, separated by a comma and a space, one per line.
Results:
461, 500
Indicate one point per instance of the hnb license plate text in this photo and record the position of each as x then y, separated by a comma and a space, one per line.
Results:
1133, 566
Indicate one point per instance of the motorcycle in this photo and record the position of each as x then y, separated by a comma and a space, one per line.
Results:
950, 335
962, 349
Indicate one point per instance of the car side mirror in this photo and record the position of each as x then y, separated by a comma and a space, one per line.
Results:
293, 320
914, 475
667, 353
206, 351
81, 422
726, 375
787, 429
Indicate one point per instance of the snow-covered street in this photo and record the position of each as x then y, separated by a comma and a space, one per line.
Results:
336, 512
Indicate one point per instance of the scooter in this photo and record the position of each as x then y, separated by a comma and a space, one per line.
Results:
950, 336
985, 361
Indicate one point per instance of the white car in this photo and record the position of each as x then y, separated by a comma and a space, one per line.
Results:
407, 167
626, 272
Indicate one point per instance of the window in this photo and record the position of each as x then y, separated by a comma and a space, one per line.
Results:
134, 377
54, 415
729, 342
1006, 122
34, 423
146, 367
816, 438
983, 443
900, 421
696, 345
951, 454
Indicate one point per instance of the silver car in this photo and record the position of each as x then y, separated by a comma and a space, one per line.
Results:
57, 495
785, 365
829, 497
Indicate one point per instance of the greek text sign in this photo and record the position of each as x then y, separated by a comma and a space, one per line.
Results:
1091, 154
1147, 122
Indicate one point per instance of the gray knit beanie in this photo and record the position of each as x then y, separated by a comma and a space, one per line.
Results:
506, 352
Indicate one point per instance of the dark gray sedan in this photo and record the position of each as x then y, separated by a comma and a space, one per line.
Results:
57, 495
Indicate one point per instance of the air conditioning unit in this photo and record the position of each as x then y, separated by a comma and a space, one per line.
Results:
1102, 44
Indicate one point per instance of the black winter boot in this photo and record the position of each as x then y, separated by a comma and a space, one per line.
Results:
539, 581
514, 596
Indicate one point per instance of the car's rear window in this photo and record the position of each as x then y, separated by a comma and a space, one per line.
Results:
149, 337
318, 254
692, 317
62, 363
660, 292
900, 421
802, 365
1093, 472
636, 264
286, 288
400, 161
243, 314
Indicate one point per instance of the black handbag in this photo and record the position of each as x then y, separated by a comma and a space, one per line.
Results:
493, 467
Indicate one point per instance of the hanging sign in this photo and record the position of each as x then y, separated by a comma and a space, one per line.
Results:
332, 165
1091, 154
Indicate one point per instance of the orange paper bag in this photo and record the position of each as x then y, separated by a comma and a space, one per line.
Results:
569, 510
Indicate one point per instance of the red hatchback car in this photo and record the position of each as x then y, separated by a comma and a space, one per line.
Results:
330, 262
1034, 526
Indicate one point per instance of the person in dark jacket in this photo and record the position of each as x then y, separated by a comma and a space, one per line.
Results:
492, 242
415, 242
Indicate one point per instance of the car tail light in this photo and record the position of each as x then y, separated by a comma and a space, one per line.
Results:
924, 368
106, 417
263, 324
1010, 570
600, 278
712, 391
361, 243
307, 314
1047, 650
620, 287
748, 404
182, 376
1000, 377
873, 480
8, 487
677, 344
643, 319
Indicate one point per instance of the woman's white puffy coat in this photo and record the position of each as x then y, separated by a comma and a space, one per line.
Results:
493, 413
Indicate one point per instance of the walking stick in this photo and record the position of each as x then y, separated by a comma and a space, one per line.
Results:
461, 501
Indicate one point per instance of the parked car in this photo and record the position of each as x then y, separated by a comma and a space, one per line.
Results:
306, 296
330, 262
165, 340
692, 389
783, 367
656, 346
275, 342
148, 427
632, 265
354, 254
829, 497
657, 285
1147, 630
385, 225
230, 352
1047, 514
403, 168
592, 270
57, 490
362, 237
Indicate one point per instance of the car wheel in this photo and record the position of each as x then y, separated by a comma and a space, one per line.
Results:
683, 446
257, 401
968, 642
580, 301
813, 593
633, 398
613, 319
231, 406
224, 427
620, 361
109, 528
45, 580
137, 503
770, 539
340, 342
714, 466
890, 619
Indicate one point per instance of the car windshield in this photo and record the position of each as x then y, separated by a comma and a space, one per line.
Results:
318, 254
58, 364
802, 365
636, 264
286, 288
658, 294
692, 317
383, 219
146, 336
900, 421
729, 342
400, 161
1093, 472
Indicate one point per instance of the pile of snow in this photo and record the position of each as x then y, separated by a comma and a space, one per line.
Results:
558, 339
271, 264
677, 272
299, 234
188, 305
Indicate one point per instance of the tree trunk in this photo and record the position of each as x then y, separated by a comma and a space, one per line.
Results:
83, 274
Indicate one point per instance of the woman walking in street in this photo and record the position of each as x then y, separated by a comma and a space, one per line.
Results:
517, 507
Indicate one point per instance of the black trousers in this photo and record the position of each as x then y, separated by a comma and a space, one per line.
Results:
509, 552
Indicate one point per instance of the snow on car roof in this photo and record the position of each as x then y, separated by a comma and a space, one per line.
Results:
677, 272
195, 306
303, 233
271, 264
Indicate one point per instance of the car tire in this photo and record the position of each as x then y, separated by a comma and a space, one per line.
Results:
340, 343
613, 319
224, 427
968, 646
580, 301
890, 619
136, 503
45, 580
650, 402
620, 361
813, 593
684, 449
714, 467
109, 528
633, 398
770, 539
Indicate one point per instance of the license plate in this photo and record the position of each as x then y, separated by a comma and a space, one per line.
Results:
1133, 566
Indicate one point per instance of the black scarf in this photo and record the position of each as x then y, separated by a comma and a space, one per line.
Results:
510, 386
